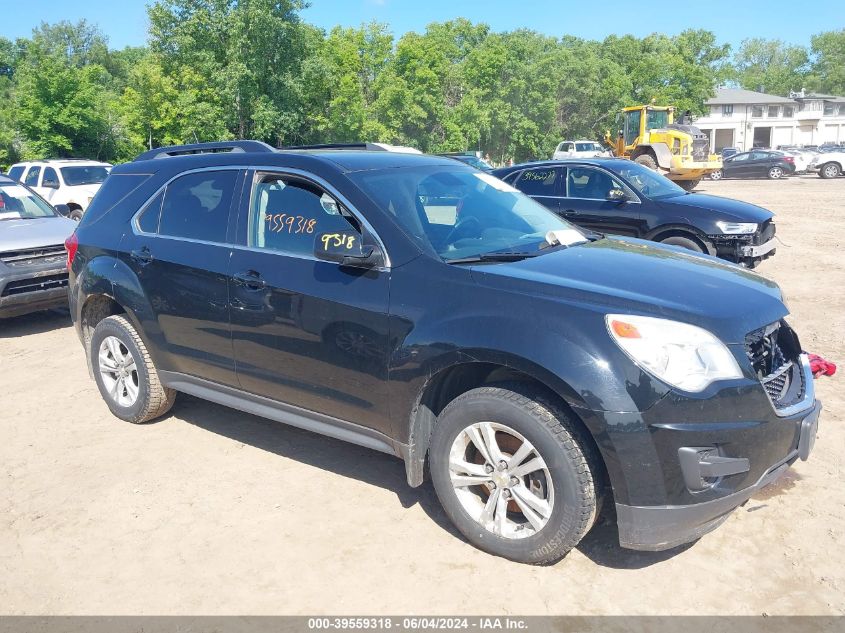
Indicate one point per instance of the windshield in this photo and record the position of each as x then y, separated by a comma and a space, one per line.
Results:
90, 175
17, 202
657, 119
647, 181
587, 147
457, 213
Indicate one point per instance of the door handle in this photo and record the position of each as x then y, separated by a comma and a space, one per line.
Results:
571, 212
142, 256
249, 279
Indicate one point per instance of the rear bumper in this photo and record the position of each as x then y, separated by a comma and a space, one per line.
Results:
656, 528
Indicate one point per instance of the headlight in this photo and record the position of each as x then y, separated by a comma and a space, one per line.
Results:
682, 355
737, 228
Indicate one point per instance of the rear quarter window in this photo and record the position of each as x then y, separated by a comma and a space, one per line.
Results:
114, 190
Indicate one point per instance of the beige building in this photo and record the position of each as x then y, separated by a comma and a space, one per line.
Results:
746, 119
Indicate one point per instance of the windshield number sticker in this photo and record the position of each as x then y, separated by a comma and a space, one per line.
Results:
279, 222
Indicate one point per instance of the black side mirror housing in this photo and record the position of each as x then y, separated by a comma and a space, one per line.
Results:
62, 209
346, 249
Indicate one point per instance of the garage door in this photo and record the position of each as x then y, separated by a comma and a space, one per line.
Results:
724, 138
782, 136
831, 133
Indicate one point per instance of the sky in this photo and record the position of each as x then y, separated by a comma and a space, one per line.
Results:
125, 21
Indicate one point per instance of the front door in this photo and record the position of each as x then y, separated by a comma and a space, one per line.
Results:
180, 254
307, 332
586, 203
49, 184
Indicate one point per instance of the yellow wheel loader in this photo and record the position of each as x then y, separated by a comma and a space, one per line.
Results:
648, 135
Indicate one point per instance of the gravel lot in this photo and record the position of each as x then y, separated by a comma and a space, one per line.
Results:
211, 511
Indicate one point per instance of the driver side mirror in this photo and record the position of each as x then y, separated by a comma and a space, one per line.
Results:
616, 195
346, 249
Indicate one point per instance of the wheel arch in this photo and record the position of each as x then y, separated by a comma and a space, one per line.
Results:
659, 151
681, 230
449, 382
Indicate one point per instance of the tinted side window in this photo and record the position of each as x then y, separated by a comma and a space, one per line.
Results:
196, 206
116, 188
591, 183
50, 178
287, 215
739, 158
148, 220
538, 182
32, 176
15, 173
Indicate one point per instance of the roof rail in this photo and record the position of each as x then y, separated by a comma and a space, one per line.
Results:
205, 148
373, 147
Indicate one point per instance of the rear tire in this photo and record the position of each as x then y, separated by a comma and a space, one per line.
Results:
546, 467
776, 173
75, 215
830, 170
646, 160
684, 242
717, 175
125, 374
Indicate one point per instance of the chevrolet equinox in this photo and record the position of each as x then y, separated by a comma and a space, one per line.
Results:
420, 307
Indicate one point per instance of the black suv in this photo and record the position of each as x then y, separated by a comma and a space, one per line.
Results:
621, 197
420, 307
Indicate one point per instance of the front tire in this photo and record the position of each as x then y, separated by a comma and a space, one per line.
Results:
76, 215
829, 170
684, 242
514, 473
124, 372
775, 173
646, 160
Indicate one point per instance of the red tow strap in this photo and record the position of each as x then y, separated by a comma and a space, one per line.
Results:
821, 367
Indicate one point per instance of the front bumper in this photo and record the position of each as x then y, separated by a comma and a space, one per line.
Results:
758, 251
31, 290
657, 528
679, 468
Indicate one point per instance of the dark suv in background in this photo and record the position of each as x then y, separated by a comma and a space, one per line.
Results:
420, 307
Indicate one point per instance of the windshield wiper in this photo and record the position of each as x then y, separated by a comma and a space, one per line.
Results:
494, 257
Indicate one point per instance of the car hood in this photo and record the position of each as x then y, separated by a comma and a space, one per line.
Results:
617, 275
18, 235
726, 208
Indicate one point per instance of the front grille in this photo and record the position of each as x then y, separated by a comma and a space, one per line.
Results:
34, 256
774, 353
36, 284
700, 148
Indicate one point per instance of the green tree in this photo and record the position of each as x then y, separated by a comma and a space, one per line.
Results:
828, 68
771, 66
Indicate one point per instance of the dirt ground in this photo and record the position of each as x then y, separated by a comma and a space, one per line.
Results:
211, 511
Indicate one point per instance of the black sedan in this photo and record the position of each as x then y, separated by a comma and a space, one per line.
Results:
621, 197
757, 163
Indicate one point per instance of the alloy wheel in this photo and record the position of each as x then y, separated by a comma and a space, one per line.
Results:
775, 173
831, 171
501, 480
118, 371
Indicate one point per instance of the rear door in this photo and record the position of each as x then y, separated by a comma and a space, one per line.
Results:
307, 332
759, 163
586, 203
180, 250
543, 184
